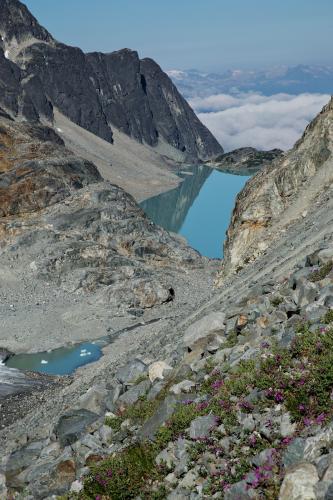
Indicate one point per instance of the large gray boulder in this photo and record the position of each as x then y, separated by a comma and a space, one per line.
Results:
206, 329
72, 425
131, 371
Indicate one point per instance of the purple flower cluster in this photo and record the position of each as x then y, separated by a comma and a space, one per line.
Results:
217, 384
101, 481
287, 440
277, 395
320, 419
202, 406
253, 440
245, 405
262, 474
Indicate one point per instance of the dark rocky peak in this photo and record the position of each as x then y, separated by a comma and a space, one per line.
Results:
17, 22
177, 124
97, 91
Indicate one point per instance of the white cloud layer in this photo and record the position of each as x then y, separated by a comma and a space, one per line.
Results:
263, 122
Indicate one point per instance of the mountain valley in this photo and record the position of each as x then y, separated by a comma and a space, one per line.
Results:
215, 378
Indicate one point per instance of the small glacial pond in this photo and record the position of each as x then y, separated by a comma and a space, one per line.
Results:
63, 361
199, 208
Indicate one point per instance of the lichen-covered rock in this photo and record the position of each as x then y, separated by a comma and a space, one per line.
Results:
299, 483
158, 370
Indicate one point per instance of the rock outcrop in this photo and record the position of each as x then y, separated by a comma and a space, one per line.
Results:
57, 212
245, 161
98, 91
282, 193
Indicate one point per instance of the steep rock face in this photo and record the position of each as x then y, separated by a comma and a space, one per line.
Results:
68, 80
179, 127
122, 93
98, 91
281, 193
21, 97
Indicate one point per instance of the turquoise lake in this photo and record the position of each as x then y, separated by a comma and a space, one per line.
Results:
199, 208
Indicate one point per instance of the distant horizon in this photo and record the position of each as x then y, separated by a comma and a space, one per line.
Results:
209, 35
267, 67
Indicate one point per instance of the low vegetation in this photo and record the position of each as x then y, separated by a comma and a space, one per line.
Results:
300, 378
322, 272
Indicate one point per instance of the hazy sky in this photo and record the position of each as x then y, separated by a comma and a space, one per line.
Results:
203, 34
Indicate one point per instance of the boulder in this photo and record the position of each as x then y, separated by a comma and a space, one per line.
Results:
287, 428
184, 386
22, 458
239, 491
112, 397
73, 424
51, 477
76, 487
294, 452
155, 390
201, 427
314, 312
320, 257
305, 293
299, 483
162, 414
94, 399
324, 490
157, 370
105, 433
205, 330
313, 446
167, 456
131, 371
189, 480
133, 394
